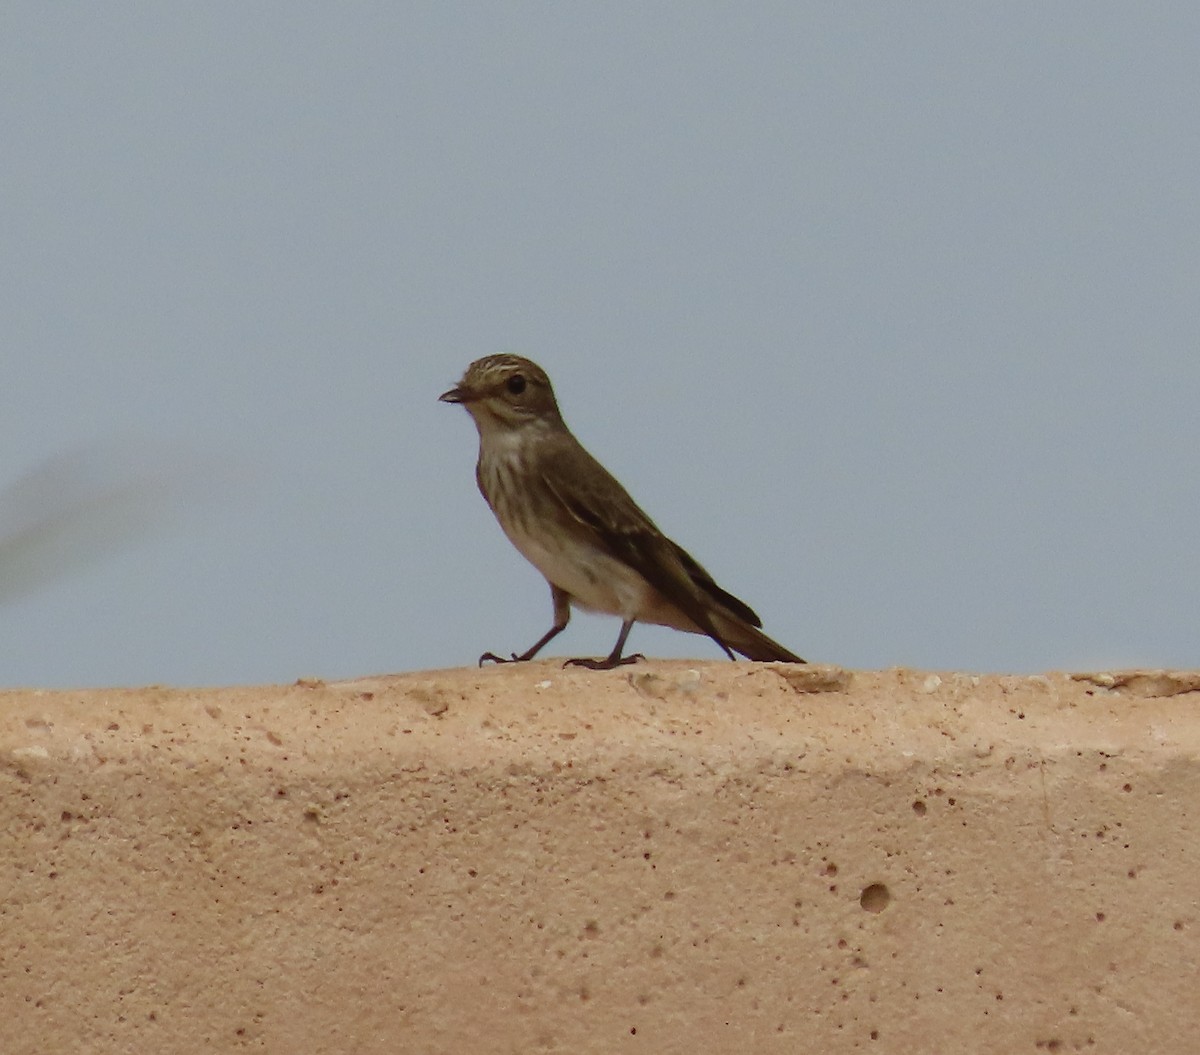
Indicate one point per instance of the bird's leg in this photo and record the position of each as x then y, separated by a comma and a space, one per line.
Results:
562, 616
614, 658
529, 653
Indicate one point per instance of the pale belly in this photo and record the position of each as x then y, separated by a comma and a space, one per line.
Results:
595, 581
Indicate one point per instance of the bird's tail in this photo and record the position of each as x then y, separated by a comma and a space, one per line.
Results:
752, 643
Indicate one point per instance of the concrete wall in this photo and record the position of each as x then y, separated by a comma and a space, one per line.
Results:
670, 857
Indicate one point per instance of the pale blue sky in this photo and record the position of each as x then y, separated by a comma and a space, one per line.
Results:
890, 314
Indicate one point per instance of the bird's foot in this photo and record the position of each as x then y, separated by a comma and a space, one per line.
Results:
608, 663
491, 657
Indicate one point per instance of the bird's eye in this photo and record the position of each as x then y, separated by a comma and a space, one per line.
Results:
515, 384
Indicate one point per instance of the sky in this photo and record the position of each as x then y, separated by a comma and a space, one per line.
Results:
889, 314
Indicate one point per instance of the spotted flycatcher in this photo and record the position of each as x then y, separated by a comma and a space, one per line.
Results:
577, 525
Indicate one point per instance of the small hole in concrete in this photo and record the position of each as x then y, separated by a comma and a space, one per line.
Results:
919, 808
875, 898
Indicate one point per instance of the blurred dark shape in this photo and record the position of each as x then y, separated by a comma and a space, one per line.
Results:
84, 504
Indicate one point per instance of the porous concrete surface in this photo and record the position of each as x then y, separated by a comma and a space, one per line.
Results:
670, 857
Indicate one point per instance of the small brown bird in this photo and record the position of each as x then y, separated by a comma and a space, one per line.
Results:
577, 525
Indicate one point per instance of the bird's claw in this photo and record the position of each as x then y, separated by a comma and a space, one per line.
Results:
608, 663
491, 657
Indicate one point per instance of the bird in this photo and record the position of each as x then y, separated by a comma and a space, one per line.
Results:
574, 522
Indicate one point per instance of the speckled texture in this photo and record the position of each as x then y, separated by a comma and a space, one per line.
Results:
671, 857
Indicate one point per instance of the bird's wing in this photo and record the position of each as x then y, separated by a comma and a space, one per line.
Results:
705, 581
596, 500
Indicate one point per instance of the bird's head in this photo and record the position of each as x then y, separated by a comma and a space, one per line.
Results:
505, 392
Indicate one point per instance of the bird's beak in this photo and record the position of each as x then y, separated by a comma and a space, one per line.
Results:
457, 394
